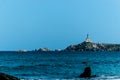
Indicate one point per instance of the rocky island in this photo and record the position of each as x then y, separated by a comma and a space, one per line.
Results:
88, 45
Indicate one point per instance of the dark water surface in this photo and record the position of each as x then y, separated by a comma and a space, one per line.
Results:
60, 65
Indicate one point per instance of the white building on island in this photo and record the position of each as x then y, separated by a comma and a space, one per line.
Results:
88, 39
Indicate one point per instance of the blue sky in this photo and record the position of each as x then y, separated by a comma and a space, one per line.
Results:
30, 24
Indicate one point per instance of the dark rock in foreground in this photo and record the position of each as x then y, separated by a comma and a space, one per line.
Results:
86, 73
7, 77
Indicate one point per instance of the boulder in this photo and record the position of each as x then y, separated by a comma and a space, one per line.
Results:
7, 77
86, 73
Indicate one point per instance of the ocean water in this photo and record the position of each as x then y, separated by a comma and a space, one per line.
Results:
60, 65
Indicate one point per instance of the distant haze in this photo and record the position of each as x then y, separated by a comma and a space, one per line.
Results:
31, 24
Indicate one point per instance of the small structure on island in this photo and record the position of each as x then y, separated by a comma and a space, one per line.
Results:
88, 39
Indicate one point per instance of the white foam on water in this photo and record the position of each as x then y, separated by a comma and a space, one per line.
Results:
96, 78
103, 77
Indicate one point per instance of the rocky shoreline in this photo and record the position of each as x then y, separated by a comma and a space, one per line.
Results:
89, 46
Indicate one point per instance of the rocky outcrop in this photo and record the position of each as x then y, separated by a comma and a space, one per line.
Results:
43, 49
7, 77
22, 51
86, 73
89, 46
57, 50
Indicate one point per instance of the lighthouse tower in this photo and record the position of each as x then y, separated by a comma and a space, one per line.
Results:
88, 39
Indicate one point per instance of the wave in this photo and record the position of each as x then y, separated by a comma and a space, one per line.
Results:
101, 62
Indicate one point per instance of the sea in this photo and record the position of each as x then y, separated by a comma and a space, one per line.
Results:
61, 65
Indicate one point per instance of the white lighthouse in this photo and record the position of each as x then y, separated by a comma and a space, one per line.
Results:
88, 39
